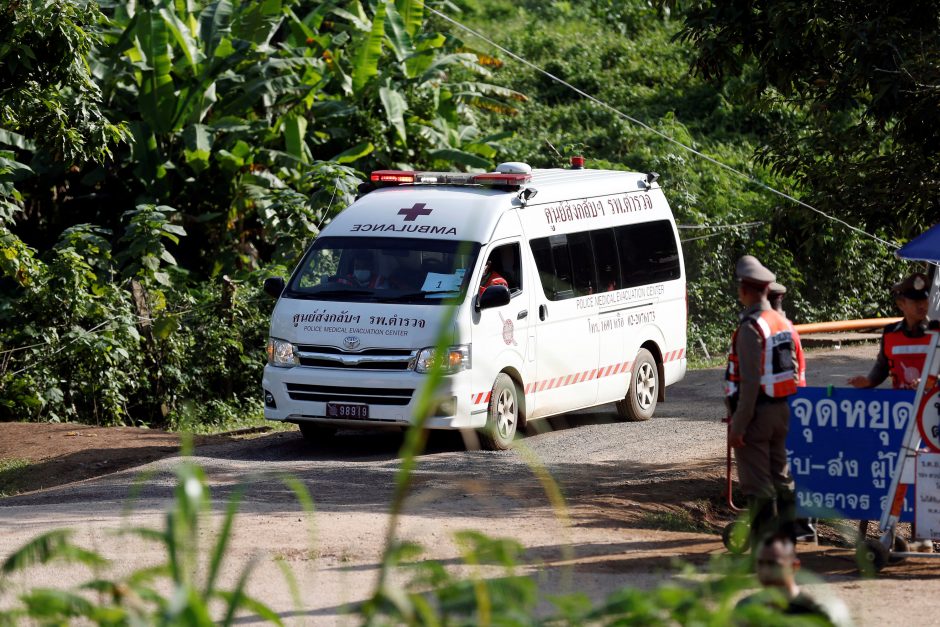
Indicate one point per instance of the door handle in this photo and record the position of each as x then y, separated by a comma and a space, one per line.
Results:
522, 314
543, 312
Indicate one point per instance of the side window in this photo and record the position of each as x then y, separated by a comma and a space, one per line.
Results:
553, 261
542, 253
608, 264
604, 260
582, 263
564, 281
648, 253
503, 267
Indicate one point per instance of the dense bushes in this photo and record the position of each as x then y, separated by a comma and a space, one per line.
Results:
197, 148
194, 143
631, 61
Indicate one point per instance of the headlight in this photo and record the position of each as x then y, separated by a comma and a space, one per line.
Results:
454, 359
281, 353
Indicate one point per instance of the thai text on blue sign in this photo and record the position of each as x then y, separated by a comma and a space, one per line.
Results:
843, 447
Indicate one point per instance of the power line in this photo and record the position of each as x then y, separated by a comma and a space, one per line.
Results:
99, 328
649, 128
692, 239
719, 226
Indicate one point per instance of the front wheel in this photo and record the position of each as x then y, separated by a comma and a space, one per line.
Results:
640, 402
502, 417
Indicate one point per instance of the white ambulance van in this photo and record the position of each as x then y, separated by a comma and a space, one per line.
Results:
557, 290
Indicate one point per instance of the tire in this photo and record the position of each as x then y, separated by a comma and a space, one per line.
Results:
502, 416
736, 536
899, 545
871, 556
640, 402
316, 433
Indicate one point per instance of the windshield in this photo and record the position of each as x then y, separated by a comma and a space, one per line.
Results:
385, 270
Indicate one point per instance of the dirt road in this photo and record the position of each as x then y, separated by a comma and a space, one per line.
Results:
625, 486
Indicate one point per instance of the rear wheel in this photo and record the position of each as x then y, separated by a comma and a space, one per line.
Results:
871, 556
316, 433
736, 536
502, 418
640, 402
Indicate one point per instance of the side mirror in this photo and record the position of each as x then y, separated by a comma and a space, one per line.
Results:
493, 296
273, 286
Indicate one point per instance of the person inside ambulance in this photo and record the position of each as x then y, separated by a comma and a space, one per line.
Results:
609, 278
903, 344
491, 276
363, 273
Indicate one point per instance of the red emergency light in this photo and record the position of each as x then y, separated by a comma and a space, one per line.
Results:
450, 178
499, 178
393, 176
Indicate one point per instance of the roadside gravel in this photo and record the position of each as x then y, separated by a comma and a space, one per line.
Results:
624, 484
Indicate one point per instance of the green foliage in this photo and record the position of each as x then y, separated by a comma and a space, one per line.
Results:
170, 145
11, 470
628, 55
497, 589
246, 127
139, 597
852, 85
46, 90
489, 585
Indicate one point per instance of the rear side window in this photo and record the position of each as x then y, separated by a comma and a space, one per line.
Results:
604, 260
648, 253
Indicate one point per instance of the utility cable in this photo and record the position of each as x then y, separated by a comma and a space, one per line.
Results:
83, 334
649, 128
692, 239
718, 226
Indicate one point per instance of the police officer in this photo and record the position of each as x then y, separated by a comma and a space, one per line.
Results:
775, 295
902, 354
904, 344
760, 376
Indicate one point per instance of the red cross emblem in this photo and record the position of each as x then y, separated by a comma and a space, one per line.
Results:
412, 213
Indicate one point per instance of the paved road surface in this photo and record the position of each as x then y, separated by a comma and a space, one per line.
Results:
610, 473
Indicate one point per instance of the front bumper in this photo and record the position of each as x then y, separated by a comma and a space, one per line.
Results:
300, 394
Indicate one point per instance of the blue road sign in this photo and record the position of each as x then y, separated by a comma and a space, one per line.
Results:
843, 447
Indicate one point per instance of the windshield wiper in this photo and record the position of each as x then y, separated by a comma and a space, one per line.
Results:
419, 295
327, 293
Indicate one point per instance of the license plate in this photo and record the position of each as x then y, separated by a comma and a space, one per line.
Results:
348, 411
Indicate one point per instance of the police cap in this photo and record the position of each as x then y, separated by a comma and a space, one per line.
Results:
750, 270
776, 289
914, 287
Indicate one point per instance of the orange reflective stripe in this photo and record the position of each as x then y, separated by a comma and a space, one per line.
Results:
906, 356
776, 379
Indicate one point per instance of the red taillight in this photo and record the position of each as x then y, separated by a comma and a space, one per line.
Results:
393, 176
498, 178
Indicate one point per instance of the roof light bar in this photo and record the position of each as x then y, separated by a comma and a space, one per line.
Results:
450, 178
444, 178
498, 178
393, 176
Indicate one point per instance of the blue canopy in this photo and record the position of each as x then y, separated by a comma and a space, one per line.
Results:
924, 247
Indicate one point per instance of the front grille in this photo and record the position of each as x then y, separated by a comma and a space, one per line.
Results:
313, 356
332, 350
329, 393
314, 362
